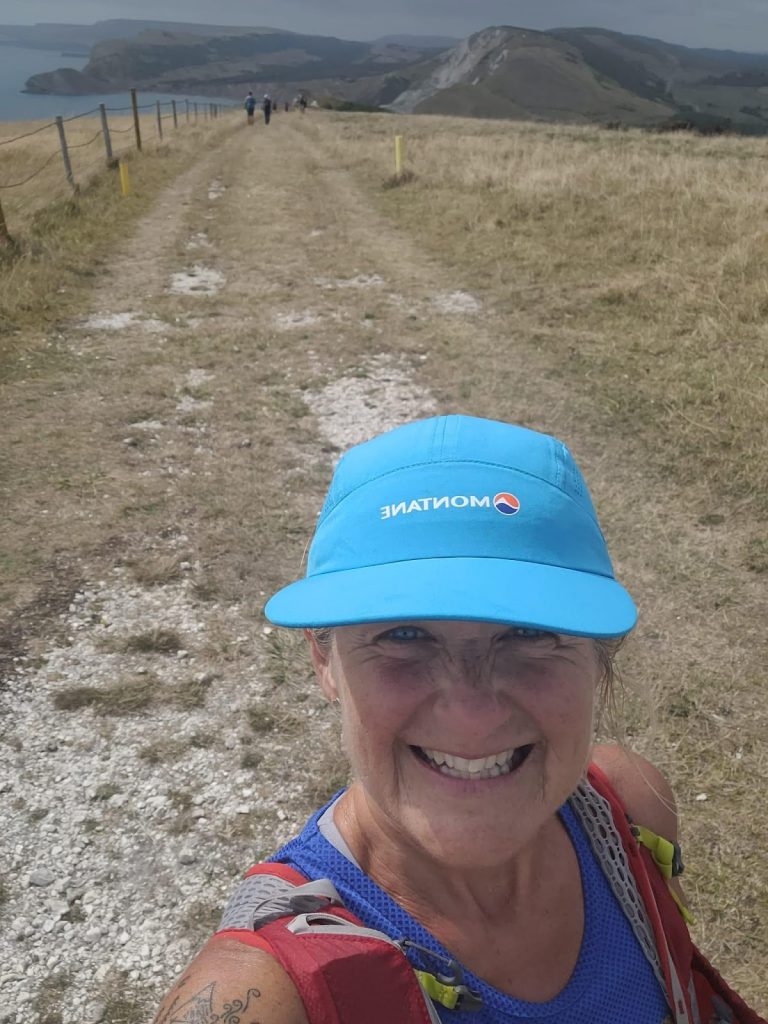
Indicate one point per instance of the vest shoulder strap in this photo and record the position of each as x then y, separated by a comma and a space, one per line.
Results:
344, 972
696, 991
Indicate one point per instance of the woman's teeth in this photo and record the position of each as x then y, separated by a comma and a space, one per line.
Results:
477, 767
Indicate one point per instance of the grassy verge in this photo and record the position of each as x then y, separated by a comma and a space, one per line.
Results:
63, 244
633, 264
55, 392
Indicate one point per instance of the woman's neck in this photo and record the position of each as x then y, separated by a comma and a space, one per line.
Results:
433, 890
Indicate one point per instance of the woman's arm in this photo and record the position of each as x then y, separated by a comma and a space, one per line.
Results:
644, 791
230, 981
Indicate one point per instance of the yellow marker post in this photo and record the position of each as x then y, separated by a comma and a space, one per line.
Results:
398, 155
125, 179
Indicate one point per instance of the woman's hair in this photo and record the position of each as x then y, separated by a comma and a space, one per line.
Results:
323, 636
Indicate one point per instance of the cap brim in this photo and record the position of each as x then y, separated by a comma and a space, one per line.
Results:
475, 589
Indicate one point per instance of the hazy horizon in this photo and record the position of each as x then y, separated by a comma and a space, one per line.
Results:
739, 24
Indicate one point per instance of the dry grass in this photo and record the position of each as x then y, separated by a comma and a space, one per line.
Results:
135, 696
158, 640
168, 751
122, 698
286, 659
123, 1002
153, 570
640, 257
269, 716
48, 998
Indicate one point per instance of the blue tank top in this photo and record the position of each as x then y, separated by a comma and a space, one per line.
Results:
612, 981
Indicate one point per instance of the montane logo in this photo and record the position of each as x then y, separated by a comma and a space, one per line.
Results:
449, 501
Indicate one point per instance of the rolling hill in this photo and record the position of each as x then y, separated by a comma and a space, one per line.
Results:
704, 85
226, 64
80, 38
509, 72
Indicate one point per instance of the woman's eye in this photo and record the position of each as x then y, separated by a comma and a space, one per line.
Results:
527, 633
404, 634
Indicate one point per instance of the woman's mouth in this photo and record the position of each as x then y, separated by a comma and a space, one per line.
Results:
475, 768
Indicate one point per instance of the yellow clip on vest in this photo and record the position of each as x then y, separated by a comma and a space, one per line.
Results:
667, 858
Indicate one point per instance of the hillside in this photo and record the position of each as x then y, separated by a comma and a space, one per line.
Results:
225, 65
435, 42
80, 38
508, 72
590, 75
717, 85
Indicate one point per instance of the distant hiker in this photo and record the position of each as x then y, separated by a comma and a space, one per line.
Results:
287, 106
266, 106
250, 106
302, 103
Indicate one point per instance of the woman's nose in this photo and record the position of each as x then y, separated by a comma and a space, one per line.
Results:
467, 697
469, 720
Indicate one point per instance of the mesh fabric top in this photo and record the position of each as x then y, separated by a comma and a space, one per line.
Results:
612, 980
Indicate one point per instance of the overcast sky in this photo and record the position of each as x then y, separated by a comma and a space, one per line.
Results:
734, 24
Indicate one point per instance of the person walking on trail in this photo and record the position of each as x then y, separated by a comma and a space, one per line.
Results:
489, 862
302, 103
266, 106
250, 106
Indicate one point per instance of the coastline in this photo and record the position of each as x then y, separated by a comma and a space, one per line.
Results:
19, 106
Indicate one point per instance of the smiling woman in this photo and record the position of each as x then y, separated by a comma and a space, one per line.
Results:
488, 862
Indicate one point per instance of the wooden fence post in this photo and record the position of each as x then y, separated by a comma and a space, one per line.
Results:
187, 103
136, 125
7, 244
175, 115
105, 133
159, 121
195, 113
65, 152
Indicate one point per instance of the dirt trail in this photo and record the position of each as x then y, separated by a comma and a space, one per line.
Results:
264, 316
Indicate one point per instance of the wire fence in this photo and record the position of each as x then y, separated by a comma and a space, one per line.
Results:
28, 135
82, 145
63, 155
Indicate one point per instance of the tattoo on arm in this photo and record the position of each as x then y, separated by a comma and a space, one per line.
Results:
199, 1008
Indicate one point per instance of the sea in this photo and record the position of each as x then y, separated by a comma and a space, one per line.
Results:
17, 64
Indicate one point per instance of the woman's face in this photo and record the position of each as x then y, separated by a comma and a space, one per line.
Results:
466, 737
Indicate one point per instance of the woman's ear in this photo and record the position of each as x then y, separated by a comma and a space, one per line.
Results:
322, 656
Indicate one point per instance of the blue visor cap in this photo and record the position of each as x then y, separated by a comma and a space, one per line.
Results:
459, 518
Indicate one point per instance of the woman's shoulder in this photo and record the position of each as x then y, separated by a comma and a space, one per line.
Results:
643, 789
229, 977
